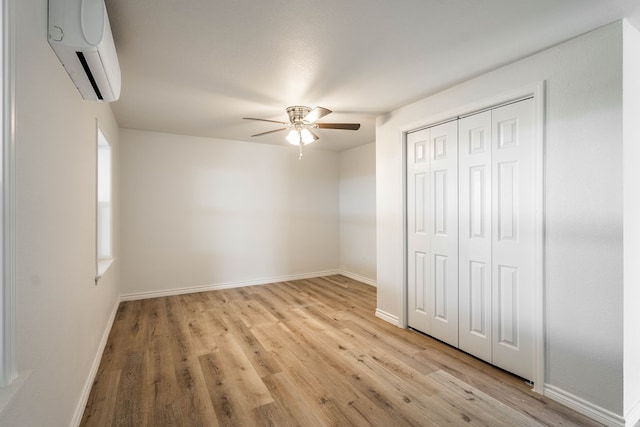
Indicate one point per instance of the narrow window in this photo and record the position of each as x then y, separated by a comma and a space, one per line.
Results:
4, 380
104, 242
8, 372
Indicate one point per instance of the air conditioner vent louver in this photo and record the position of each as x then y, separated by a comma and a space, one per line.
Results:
87, 70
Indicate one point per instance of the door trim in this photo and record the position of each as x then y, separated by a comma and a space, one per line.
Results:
537, 92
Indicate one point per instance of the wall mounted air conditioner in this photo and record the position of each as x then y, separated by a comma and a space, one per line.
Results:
80, 34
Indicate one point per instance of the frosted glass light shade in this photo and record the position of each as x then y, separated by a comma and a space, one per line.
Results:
293, 137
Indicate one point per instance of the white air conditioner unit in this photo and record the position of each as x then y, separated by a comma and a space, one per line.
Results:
80, 34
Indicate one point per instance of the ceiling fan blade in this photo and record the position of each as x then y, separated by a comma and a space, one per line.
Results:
270, 131
316, 114
345, 126
315, 137
265, 120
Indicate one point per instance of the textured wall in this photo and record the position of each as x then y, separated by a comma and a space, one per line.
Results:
200, 211
358, 211
61, 314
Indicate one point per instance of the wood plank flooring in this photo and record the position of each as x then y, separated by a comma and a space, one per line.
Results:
300, 353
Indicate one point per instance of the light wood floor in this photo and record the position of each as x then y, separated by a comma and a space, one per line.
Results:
300, 353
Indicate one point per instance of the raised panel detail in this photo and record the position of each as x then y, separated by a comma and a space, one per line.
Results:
440, 148
508, 133
440, 287
440, 202
477, 292
477, 141
477, 208
420, 154
420, 282
420, 211
508, 201
508, 306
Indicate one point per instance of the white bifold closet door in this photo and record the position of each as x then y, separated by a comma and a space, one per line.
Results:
432, 186
493, 244
496, 241
476, 235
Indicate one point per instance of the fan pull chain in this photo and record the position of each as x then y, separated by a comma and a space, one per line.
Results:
300, 134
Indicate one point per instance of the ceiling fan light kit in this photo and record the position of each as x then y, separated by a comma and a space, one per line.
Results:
302, 119
303, 136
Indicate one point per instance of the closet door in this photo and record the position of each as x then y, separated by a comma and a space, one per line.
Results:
443, 140
470, 204
432, 231
497, 236
513, 189
475, 235
418, 229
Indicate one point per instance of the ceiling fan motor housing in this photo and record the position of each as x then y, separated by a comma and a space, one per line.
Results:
297, 113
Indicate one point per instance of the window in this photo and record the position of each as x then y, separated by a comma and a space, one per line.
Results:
104, 241
8, 372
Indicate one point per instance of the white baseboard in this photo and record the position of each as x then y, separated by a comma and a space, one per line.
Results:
578, 404
394, 320
359, 278
633, 416
8, 392
84, 397
227, 285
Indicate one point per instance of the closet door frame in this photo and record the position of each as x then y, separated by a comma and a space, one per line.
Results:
537, 92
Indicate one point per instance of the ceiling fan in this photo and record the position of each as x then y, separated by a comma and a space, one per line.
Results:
301, 122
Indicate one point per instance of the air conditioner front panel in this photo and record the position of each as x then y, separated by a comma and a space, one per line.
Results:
93, 21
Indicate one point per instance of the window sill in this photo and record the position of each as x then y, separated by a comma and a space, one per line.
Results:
102, 267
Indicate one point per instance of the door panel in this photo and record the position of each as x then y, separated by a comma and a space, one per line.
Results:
475, 234
513, 241
441, 286
444, 238
507, 315
418, 226
440, 208
507, 198
478, 309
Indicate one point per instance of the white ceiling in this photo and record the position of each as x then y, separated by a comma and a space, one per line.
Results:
197, 67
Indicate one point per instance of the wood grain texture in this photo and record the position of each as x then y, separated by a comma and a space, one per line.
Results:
301, 353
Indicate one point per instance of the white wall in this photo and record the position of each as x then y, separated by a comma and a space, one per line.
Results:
202, 212
61, 314
631, 160
358, 212
583, 284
